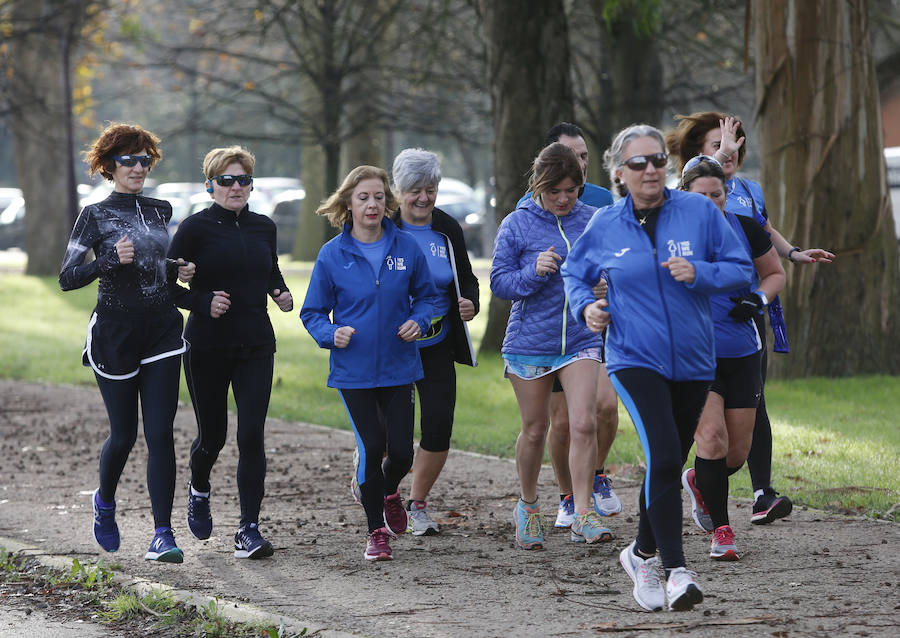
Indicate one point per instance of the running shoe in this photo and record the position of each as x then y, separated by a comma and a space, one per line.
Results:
722, 544
199, 518
769, 506
566, 512
682, 590
249, 543
529, 531
606, 503
395, 519
644, 573
354, 482
588, 528
163, 547
106, 531
698, 508
378, 545
420, 523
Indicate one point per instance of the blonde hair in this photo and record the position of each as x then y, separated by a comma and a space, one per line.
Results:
337, 207
218, 159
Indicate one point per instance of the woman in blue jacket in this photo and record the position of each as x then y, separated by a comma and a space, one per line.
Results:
543, 343
665, 252
370, 297
725, 430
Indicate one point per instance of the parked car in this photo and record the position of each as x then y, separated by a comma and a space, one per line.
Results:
179, 195
12, 224
458, 199
8, 196
286, 207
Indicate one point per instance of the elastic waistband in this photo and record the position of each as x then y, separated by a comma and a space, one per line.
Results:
137, 314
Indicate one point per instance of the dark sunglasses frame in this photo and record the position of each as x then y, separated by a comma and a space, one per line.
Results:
131, 160
639, 162
227, 181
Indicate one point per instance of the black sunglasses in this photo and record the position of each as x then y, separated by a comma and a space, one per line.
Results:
226, 181
639, 162
131, 160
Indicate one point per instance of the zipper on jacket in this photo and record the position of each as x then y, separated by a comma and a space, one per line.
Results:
662, 296
565, 316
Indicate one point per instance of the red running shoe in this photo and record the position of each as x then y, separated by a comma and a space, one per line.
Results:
378, 545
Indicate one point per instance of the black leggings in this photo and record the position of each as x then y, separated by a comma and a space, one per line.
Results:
382, 419
437, 396
157, 385
759, 459
665, 414
208, 374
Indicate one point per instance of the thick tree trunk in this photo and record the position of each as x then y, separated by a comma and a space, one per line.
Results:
824, 177
312, 230
528, 67
41, 125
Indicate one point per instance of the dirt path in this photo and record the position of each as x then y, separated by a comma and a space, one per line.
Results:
813, 574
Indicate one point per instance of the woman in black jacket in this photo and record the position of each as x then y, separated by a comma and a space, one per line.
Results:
134, 336
231, 337
416, 175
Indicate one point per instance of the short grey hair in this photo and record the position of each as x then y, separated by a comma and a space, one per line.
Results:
613, 156
415, 167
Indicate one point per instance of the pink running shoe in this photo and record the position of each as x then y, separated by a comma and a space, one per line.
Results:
378, 545
698, 508
395, 518
722, 545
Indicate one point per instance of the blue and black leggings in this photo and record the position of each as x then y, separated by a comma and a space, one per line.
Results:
382, 419
665, 414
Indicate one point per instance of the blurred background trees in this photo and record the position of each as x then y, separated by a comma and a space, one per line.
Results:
315, 87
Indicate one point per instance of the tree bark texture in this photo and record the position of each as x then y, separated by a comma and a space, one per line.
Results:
41, 125
824, 179
528, 72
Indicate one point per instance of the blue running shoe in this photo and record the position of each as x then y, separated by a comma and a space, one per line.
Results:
606, 503
249, 543
529, 531
199, 518
588, 528
163, 547
566, 512
106, 531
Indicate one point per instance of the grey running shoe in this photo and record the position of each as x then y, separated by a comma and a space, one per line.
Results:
698, 508
420, 523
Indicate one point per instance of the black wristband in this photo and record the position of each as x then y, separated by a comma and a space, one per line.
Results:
793, 250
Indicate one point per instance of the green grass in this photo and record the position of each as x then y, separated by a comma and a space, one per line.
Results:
836, 443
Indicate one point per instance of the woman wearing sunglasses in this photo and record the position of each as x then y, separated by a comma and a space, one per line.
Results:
231, 337
134, 336
542, 343
725, 430
723, 137
665, 253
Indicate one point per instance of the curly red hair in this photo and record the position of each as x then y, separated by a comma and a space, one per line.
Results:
120, 139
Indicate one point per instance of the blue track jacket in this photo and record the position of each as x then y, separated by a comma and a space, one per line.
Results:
658, 323
375, 304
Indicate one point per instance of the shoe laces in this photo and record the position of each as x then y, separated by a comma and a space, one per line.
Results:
198, 506
533, 526
724, 535
379, 536
590, 518
649, 571
104, 515
680, 573
568, 504
603, 485
250, 534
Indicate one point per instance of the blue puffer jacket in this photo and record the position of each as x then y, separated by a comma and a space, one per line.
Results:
343, 284
539, 322
656, 322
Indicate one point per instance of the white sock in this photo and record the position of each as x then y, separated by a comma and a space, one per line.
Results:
757, 494
196, 493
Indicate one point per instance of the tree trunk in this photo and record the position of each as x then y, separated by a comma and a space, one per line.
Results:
41, 124
528, 67
312, 230
824, 176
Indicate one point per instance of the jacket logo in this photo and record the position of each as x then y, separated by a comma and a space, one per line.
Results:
622, 252
347, 266
395, 264
679, 248
438, 251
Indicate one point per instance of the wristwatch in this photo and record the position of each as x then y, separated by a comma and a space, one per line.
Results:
762, 296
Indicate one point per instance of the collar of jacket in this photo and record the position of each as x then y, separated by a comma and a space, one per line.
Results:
347, 242
223, 214
628, 207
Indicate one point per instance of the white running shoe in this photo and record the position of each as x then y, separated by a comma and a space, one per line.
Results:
606, 503
565, 515
420, 523
644, 573
682, 590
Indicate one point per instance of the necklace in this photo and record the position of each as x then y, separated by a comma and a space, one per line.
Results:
642, 220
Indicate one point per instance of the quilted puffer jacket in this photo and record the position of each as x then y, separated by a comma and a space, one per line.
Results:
539, 322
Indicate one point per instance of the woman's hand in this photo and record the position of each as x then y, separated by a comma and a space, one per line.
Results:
595, 315
547, 262
466, 309
284, 299
680, 269
811, 256
220, 304
342, 336
729, 145
186, 270
409, 331
125, 251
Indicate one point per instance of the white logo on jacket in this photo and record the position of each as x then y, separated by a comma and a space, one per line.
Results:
395, 263
679, 248
621, 252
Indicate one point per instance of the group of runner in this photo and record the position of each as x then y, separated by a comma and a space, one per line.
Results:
655, 299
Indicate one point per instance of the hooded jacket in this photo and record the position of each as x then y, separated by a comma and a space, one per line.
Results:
539, 321
657, 322
344, 286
